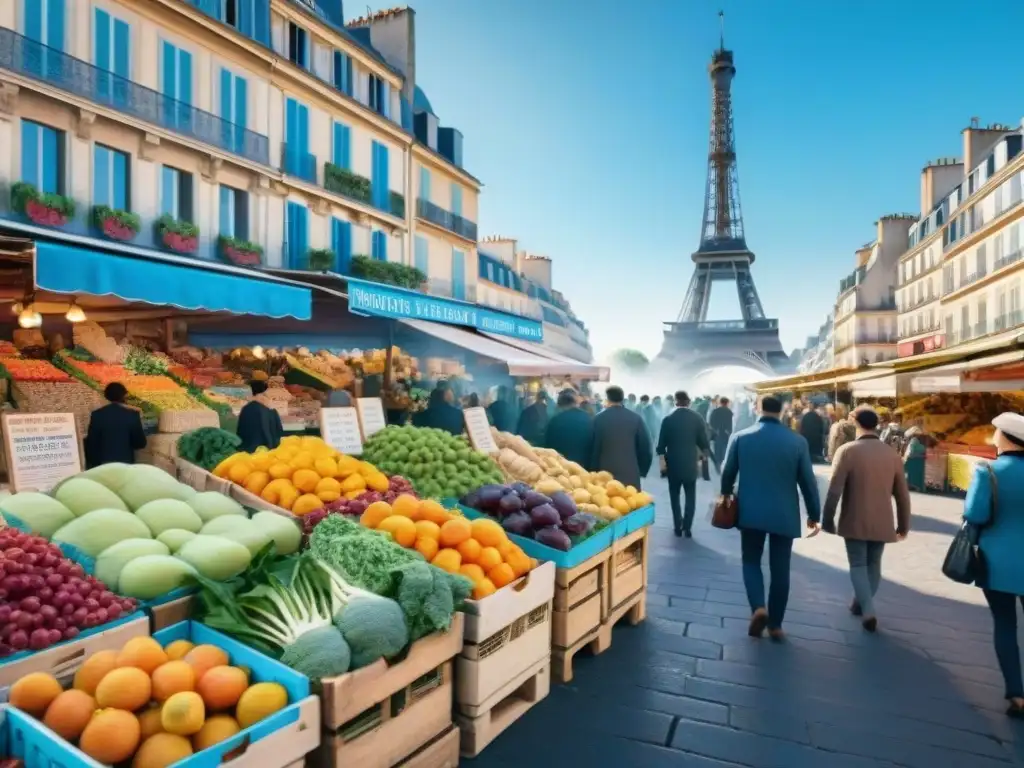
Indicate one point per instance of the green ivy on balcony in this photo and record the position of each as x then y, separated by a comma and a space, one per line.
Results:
387, 272
398, 204
344, 182
320, 259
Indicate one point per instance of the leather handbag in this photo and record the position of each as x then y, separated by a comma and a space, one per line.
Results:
725, 513
705, 473
965, 562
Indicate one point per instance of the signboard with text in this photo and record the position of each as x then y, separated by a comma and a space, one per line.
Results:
42, 449
339, 427
479, 430
371, 415
403, 304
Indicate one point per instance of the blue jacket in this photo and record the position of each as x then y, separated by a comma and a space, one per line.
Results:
1003, 541
771, 461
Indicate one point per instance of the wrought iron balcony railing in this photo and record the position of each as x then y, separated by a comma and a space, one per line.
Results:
31, 59
435, 214
297, 163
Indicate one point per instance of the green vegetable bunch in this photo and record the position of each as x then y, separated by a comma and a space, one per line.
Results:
208, 446
438, 464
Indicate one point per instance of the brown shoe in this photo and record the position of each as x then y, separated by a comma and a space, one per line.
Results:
758, 621
870, 623
855, 608
777, 634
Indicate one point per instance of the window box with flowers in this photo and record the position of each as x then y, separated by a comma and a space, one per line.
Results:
344, 182
241, 253
116, 224
46, 208
387, 272
176, 235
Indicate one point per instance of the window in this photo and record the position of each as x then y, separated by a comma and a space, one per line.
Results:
297, 159
296, 236
234, 213
379, 245
980, 261
380, 190
176, 193
176, 85
456, 199
341, 244
111, 178
990, 166
44, 22
42, 157
298, 45
341, 76
341, 154
458, 274
111, 53
379, 95
234, 109
490, 271
422, 255
1014, 238
424, 183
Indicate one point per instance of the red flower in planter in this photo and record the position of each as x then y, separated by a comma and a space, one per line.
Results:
242, 258
180, 243
115, 230
42, 214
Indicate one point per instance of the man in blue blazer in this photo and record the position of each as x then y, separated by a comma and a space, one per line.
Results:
772, 461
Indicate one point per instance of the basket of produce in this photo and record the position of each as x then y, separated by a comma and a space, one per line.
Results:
187, 420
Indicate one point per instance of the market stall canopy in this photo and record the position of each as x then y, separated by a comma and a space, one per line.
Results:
804, 382
1001, 342
964, 376
600, 372
519, 362
177, 283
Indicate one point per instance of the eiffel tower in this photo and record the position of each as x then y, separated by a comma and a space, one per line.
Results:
693, 343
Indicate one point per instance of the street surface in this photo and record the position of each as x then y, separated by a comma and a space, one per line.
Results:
689, 689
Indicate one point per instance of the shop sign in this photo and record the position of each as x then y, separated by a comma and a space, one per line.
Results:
339, 428
371, 415
42, 449
935, 384
402, 304
479, 430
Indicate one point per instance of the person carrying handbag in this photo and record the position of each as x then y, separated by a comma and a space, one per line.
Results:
995, 506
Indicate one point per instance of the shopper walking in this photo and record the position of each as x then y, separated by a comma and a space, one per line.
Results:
681, 440
812, 427
772, 462
115, 430
720, 422
842, 431
621, 443
995, 504
867, 475
571, 431
533, 421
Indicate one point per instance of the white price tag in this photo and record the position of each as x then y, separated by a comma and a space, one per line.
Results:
339, 428
479, 430
371, 415
42, 449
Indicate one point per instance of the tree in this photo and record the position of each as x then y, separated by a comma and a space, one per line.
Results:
632, 360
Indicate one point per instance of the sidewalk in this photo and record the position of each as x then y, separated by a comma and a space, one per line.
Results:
689, 689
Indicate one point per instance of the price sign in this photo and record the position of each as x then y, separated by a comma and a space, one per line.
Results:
42, 449
371, 415
479, 430
339, 428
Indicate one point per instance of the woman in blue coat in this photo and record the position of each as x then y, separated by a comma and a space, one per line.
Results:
994, 503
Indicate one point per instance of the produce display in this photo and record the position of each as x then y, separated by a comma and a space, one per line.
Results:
962, 418
554, 521
148, 704
397, 486
46, 597
438, 464
479, 550
302, 474
207, 447
20, 369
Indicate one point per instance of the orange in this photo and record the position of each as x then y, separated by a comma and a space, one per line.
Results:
406, 505
427, 547
34, 692
377, 481
183, 713
483, 588
520, 563
375, 514
347, 465
280, 471
144, 653
325, 466
240, 470
161, 750
221, 687
111, 736
470, 550
215, 730
505, 547
178, 649
488, 532
306, 503
428, 530
69, 713
149, 721
205, 657
127, 688
501, 575
93, 670
402, 529
454, 532
431, 510
305, 480
472, 571
171, 678
255, 482
448, 560
489, 558
328, 489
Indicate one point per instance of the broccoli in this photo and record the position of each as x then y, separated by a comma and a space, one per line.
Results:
318, 653
374, 628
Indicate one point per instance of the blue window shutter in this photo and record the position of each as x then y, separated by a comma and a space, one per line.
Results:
291, 118
101, 176
385, 99
424, 183
241, 117
32, 13
383, 246
261, 23
341, 244
168, 192
185, 77
303, 129
227, 221
458, 274
170, 75
54, 24
305, 45
293, 213
244, 19
348, 75
122, 49
456, 199
30, 152
342, 146
303, 232
101, 40
422, 255
51, 161
121, 182
225, 94
385, 187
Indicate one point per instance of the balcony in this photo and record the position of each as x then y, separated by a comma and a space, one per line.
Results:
1007, 259
952, 286
28, 58
923, 328
302, 165
1008, 321
438, 216
763, 324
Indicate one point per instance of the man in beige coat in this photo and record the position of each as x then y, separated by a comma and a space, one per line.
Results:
867, 474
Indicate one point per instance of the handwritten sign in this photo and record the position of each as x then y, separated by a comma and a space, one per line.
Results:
42, 449
339, 428
479, 430
371, 415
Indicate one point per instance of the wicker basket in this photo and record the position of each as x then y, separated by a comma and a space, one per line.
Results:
164, 444
198, 478
186, 421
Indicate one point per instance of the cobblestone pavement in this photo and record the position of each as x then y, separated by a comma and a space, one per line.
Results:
689, 689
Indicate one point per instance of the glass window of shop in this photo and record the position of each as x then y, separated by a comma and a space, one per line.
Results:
234, 213
42, 157
176, 193
111, 178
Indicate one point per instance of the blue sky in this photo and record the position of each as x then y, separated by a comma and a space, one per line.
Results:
587, 121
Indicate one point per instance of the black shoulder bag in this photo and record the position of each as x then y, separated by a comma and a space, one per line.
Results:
965, 562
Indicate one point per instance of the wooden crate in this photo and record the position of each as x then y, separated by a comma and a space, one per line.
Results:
164, 615
580, 605
286, 747
481, 725
442, 752
381, 715
627, 571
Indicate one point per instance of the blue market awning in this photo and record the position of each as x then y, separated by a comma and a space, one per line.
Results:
69, 269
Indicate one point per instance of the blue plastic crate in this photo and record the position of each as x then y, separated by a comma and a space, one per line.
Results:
25, 738
634, 521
